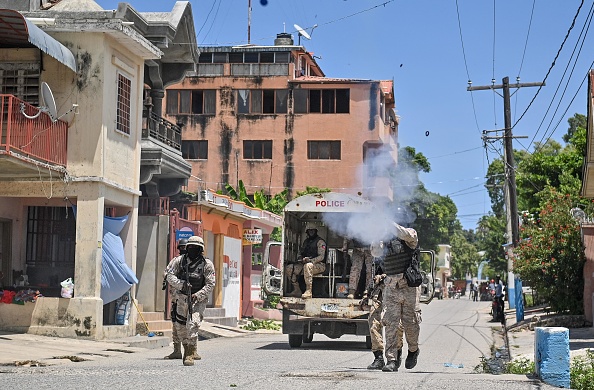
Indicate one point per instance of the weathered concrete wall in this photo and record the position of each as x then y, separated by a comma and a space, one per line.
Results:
289, 166
588, 234
151, 261
16, 318
68, 317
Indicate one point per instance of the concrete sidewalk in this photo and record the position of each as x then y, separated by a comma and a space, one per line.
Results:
520, 335
23, 349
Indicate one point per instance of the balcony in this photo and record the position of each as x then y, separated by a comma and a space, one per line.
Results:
161, 130
27, 143
163, 170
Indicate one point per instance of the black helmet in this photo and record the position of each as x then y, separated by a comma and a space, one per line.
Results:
182, 243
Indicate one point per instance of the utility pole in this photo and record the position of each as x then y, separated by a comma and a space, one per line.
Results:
511, 200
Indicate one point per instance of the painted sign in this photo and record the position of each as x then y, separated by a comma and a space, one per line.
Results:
252, 236
184, 232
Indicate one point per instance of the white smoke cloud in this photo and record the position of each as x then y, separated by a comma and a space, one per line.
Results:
377, 172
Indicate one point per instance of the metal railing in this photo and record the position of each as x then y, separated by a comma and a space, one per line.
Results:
38, 138
153, 206
161, 129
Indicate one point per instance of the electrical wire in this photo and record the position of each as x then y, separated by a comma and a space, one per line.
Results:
552, 64
583, 33
524, 52
466, 65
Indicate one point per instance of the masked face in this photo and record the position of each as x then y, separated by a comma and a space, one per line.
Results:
182, 250
311, 232
194, 251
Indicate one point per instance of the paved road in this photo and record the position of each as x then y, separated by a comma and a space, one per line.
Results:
455, 334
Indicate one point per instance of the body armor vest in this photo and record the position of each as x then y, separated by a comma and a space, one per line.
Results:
195, 273
310, 247
398, 257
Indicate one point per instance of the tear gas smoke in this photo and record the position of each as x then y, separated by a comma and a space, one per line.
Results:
379, 175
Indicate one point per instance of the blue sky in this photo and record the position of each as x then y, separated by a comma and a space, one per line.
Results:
431, 48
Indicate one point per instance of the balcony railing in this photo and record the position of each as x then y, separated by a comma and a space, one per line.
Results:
161, 129
38, 138
153, 206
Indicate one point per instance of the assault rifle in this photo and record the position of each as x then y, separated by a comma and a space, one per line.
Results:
188, 288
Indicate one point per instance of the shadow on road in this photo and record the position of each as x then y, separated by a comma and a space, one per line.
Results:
332, 345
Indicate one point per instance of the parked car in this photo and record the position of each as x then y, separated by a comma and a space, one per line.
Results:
438, 290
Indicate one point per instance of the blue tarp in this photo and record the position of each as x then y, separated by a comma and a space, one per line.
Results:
116, 276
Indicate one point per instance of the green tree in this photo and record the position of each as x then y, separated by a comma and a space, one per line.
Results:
550, 258
464, 256
575, 122
491, 238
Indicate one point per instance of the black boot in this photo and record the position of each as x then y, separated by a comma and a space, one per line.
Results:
378, 362
411, 359
399, 358
391, 366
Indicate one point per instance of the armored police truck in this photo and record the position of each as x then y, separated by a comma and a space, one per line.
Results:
329, 311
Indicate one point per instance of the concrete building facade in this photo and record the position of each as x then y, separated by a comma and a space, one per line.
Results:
267, 115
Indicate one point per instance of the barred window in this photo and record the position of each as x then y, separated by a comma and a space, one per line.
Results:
124, 104
51, 235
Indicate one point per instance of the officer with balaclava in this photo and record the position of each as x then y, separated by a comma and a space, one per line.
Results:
192, 278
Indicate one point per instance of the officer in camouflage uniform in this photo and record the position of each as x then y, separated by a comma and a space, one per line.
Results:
361, 255
311, 261
192, 279
373, 302
400, 302
176, 354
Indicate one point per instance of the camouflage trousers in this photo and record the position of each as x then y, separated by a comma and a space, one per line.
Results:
375, 323
308, 269
400, 303
358, 258
187, 333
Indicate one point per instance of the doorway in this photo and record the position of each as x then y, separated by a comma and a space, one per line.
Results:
5, 253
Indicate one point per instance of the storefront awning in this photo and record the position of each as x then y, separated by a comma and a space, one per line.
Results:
16, 31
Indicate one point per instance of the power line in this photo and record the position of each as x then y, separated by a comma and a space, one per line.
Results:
552, 65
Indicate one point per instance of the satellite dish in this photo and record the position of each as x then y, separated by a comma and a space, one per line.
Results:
49, 104
302, 33
48, 100
578, 214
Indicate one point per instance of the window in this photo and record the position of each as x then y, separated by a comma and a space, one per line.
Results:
257, 150
187, 101
262, 101
20, 79
325, 101
323, 150
195, 150
123, 104
51, 235
205, 58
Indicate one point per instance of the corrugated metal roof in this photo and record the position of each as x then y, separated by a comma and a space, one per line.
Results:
16, 31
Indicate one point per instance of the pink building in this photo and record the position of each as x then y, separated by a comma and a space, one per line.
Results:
269, 116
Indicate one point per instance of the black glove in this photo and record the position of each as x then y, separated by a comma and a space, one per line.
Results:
164, 286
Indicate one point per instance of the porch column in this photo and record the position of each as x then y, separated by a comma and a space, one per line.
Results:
89, 238
219, 254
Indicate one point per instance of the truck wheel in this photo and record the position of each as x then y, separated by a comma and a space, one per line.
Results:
295, 340
368, 342
307, 339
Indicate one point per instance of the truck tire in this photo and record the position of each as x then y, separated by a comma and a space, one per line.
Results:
295, 340
307, 339
368, 342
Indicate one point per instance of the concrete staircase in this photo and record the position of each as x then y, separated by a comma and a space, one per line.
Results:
157, 323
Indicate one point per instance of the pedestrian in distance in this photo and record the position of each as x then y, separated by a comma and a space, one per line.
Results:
192, 278
310, 261
401, 301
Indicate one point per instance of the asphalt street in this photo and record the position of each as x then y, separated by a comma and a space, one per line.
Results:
456, 336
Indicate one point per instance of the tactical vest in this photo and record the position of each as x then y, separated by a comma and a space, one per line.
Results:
195, 273
359, 244
398, 257
310, 247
